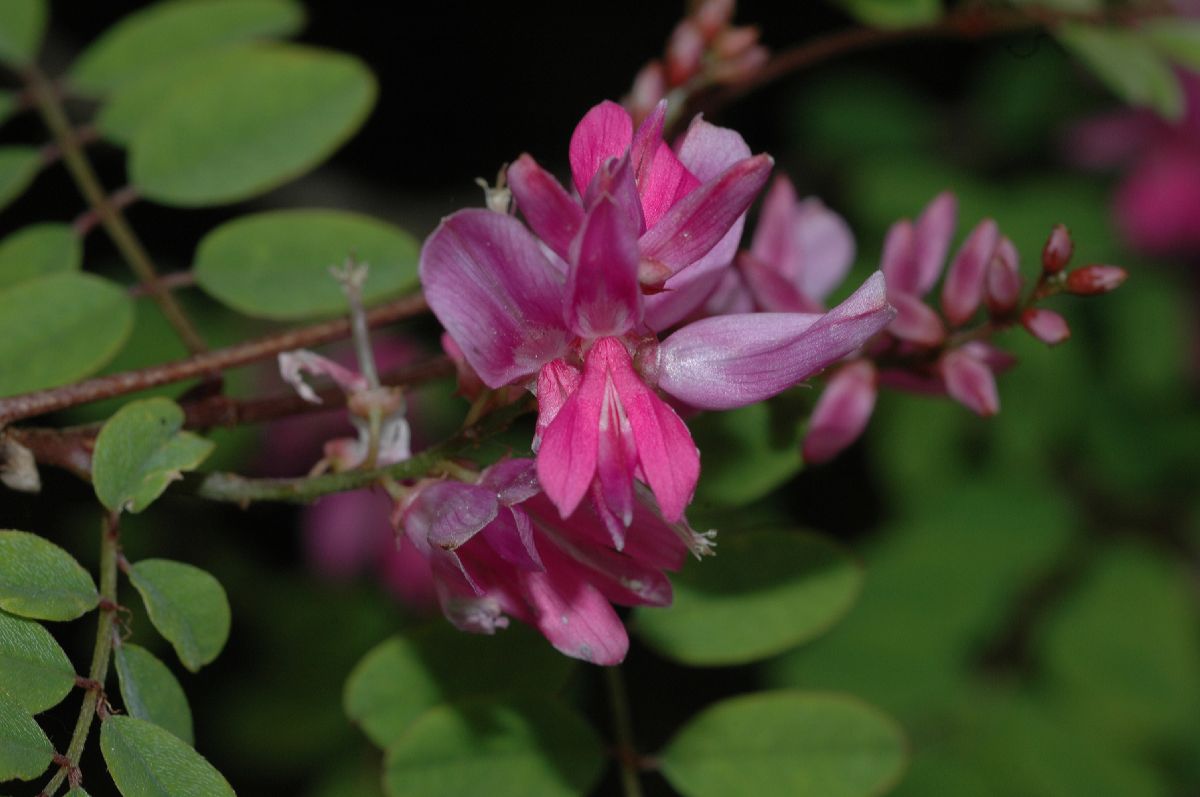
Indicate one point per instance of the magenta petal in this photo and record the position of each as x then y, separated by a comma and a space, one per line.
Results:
697, 222
970, 382
620, 577
566, 460
447, 514
408, 576
707, 150
573, 615
342, 532
842, 412
731, 361
731, 295
510, 536
668, 457
616, 459
684, 292
605, 131
603, 295
772, 290
774, 242
899, 264
661, 179
512, 480
963, 289
931, 241
827, 245
556, 382
488, 282
1003, 284
916, 321
1046, 325
550, 211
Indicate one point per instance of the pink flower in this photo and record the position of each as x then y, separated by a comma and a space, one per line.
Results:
578, 312
1157, 204
498, 548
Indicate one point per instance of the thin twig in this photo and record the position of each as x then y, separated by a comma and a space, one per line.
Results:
626, 749
29, 405
98, 671
50, 106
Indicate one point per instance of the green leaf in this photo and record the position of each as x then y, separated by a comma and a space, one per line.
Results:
22, 25
760, 450
1123, 651
1128, 65
18, 167
244, 130
140, 450
763, 593
35, 673
41, 581
1177, 39
77, 792
147, 761
526, 747
161, 34
25, 752
38, 250
151, 692
802, 744
406, 675
276, 264
894, 13
8, 104
58, 328
187, 606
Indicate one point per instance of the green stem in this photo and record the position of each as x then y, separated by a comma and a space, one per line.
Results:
241, 490
126, 241
98, 671
627, 757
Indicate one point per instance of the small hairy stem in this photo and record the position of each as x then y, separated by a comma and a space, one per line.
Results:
626, 751
98, 671
50, 106
29, 405
232, 488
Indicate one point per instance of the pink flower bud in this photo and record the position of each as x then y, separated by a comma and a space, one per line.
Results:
1093, 280
685, 51
970, 382
842, 412
712, 16
1058, 249
963, 289
740, 68
649, 87
1046, 325
1003, 289
732, 42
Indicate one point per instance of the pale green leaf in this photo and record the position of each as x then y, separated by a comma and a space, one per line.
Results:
77, 792
1128, 65
760, 450
59, 328
802, 744
406, 675
238, 132
38, 250
276, 264
763, 593
141, 450
151, 692
18, 167
894, 13
1177, 39
147, 761
22, 25
514, 749
25, 752
41, 581
187, 606
35, 673
156, 36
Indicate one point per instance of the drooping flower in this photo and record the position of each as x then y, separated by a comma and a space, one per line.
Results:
498, 548
576, 314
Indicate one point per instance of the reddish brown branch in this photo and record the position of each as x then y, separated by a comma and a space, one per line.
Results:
29, 405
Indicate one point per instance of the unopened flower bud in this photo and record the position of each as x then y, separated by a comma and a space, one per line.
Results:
732, 42
1093, 280
1058, 249
712, 16
1003, 289
649, 87
842, 412
962, 291
685, 52
743, 67
1046, 325
970, 382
